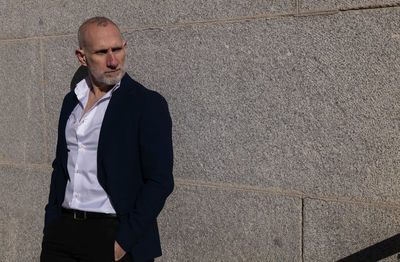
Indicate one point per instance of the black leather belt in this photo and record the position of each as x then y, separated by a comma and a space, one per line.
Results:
82, 215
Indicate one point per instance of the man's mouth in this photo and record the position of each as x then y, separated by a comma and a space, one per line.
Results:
113, 71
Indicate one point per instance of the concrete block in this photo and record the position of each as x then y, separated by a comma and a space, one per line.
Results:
212, 224
333, 231
21, 117
306, 103
39, 15
315, 5
21, 231
24, 188
24, 195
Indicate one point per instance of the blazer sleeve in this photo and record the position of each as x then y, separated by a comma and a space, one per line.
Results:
156, 156
52, 210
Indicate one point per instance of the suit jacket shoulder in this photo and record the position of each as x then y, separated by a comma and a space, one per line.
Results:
135, 87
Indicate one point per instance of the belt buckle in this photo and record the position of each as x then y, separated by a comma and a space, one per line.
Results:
77, 217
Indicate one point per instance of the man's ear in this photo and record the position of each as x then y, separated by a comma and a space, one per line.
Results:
80, 54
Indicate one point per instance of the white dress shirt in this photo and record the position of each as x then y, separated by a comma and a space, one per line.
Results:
83, 191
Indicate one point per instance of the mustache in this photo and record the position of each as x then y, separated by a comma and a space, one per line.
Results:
113, 70
118, 68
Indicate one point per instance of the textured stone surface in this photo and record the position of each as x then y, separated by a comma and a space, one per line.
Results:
21, 234
39, 15
24, 195
297, 103
312, 5
21, 116
336, 230
307, 104
24, 188
210, 224
60, 66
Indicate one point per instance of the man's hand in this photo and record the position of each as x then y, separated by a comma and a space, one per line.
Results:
118, 251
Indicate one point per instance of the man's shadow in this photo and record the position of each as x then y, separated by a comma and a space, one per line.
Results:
79, 75
376, 252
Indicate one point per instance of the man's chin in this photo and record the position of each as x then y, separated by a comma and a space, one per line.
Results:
113, 80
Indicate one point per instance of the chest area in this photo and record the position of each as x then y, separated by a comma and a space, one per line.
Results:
83, 128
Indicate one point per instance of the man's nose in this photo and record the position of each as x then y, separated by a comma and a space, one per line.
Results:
112, 60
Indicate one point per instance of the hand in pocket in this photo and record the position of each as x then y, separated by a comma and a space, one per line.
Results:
118, 251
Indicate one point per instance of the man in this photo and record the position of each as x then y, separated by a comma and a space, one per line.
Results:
113, 167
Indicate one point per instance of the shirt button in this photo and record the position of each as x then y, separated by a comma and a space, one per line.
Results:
77, 171
81, 146
76, 195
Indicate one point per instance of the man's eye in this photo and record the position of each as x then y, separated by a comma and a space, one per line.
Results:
116, 49
101, 52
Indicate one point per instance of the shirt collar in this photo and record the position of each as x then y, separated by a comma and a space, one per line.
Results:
83, 87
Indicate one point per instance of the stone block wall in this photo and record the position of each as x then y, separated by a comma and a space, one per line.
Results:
286, 121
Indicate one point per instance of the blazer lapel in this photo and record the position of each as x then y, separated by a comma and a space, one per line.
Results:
111, 115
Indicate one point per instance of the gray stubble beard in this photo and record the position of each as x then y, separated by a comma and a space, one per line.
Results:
108, 81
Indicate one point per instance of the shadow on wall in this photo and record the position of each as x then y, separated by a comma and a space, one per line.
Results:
80, 74
376, 252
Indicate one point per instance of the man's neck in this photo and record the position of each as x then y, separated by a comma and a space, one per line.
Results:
98, 90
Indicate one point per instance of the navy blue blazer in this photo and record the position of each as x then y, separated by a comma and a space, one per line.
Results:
134, 164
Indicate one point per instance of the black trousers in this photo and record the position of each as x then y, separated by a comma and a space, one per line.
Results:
89, 240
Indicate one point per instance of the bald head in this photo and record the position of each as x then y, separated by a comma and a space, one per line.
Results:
98, 21
102, 50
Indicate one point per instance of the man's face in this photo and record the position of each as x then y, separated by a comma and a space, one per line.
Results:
104, 54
